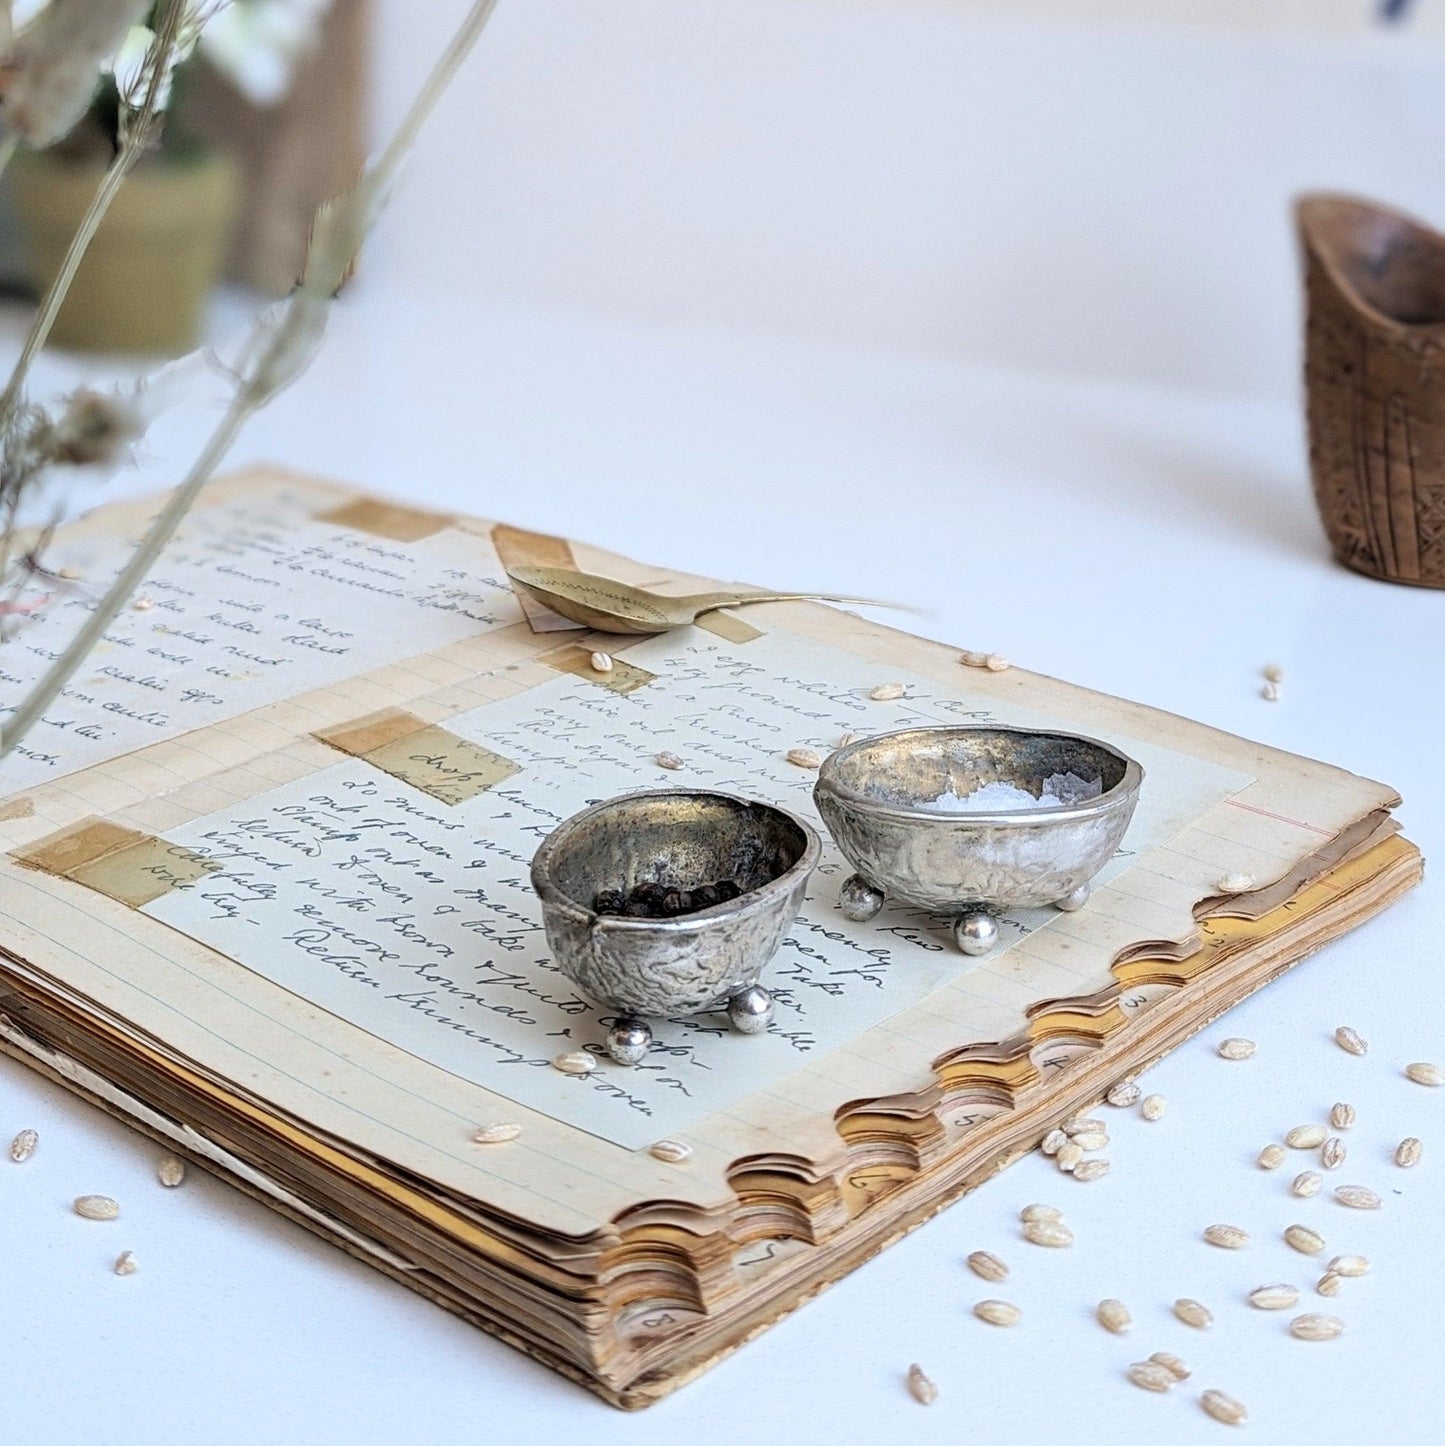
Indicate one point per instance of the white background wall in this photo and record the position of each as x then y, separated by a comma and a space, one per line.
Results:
1083, 196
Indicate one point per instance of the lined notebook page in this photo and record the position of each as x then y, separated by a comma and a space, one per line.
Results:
345, 1080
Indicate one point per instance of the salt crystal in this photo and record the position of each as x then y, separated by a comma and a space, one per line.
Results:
999, 796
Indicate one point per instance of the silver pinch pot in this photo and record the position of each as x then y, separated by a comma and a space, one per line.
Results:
682, 838
877, 798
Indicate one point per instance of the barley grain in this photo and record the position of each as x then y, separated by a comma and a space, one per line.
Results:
576, 1061
1236, 1048
987, 1266
920, 1387
1124, 1094
887, 692
670, 761
1153, 1107
1053, 1142
805, 758
1350, 1041
1089, 1170
670, 1152
22, 1147
1425, 1074
1303, 1239
1068, 1156
1077, 1125
1349, 1266
1227, 1237
171, 1171
1306, 1137
1408, 1151
973, 659
601, 662
126, 1263
1040, 1214
1114, 1316
1269, 691
96, 1207
1273, 673
1315, 1327
1357, 1197
1172, 1364
1332, 1153
1051, 1233
1236, 883
1151, 1376
1091, 1140
998, 1312
1329, 1283
1223, 1408
1192, 1313
1272, 1157
497, 1134
1306, 1183
997, 663
1342, 1116
1274, 1297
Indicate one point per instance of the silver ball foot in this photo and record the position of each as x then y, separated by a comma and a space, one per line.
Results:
628, 1041
1070, 903
750, 1010
976, 933
859, 900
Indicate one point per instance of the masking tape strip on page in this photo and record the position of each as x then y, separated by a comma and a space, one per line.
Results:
449, 768
130, 867
520, 548
622, 677
386, 519
727, 627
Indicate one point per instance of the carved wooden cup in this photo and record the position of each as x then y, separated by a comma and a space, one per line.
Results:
1375, 385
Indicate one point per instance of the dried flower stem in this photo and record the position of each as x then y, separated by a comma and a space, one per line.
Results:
137, 141
282, 356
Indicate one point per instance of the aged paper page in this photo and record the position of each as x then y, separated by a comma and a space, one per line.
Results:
413, 917
257, 599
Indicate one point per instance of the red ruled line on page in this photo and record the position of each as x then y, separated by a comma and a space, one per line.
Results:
1280, 818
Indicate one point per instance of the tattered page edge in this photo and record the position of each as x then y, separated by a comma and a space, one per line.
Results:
910, 1201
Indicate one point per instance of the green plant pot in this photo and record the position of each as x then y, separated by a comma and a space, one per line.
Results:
157, 255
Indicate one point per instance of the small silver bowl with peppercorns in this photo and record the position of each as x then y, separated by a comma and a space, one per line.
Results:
671, 901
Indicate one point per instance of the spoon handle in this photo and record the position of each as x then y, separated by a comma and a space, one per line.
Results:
709, 601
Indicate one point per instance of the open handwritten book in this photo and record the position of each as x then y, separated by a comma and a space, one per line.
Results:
263, 891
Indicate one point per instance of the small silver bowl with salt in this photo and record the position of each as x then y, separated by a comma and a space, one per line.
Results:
968, 822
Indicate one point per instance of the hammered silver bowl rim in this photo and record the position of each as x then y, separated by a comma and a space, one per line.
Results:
553, 896
1129, 784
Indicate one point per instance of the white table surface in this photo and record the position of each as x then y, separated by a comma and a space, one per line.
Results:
1160, 546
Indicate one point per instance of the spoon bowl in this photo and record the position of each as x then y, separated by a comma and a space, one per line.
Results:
609, 606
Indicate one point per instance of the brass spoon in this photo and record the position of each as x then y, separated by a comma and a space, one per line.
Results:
616, 607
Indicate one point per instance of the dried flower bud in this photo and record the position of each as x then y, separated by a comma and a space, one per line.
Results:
49, 73
93, 429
